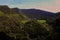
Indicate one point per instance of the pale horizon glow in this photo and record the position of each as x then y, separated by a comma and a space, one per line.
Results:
48, 5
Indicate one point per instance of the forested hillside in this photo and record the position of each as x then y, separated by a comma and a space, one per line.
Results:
18, 25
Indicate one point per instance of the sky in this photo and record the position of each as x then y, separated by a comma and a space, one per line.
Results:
48, 5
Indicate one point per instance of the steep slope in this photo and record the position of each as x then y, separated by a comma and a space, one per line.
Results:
9, 11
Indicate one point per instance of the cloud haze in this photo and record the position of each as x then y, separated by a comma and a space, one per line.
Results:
10, 0
48, 5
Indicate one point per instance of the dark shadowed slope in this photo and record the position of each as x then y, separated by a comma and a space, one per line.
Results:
58, 14
35, 13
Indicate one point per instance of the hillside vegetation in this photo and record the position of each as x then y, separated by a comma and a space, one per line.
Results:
17, 26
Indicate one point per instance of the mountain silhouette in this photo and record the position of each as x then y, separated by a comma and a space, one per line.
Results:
35, 13
29, 13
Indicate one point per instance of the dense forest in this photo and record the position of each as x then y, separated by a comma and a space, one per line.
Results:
18, 25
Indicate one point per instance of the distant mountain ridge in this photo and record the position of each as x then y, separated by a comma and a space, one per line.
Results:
35, 13
39, 14
30, 13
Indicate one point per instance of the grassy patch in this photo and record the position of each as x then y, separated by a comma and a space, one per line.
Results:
24, 21
42, 21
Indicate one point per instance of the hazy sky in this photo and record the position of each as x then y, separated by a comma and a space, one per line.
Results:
48, 5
